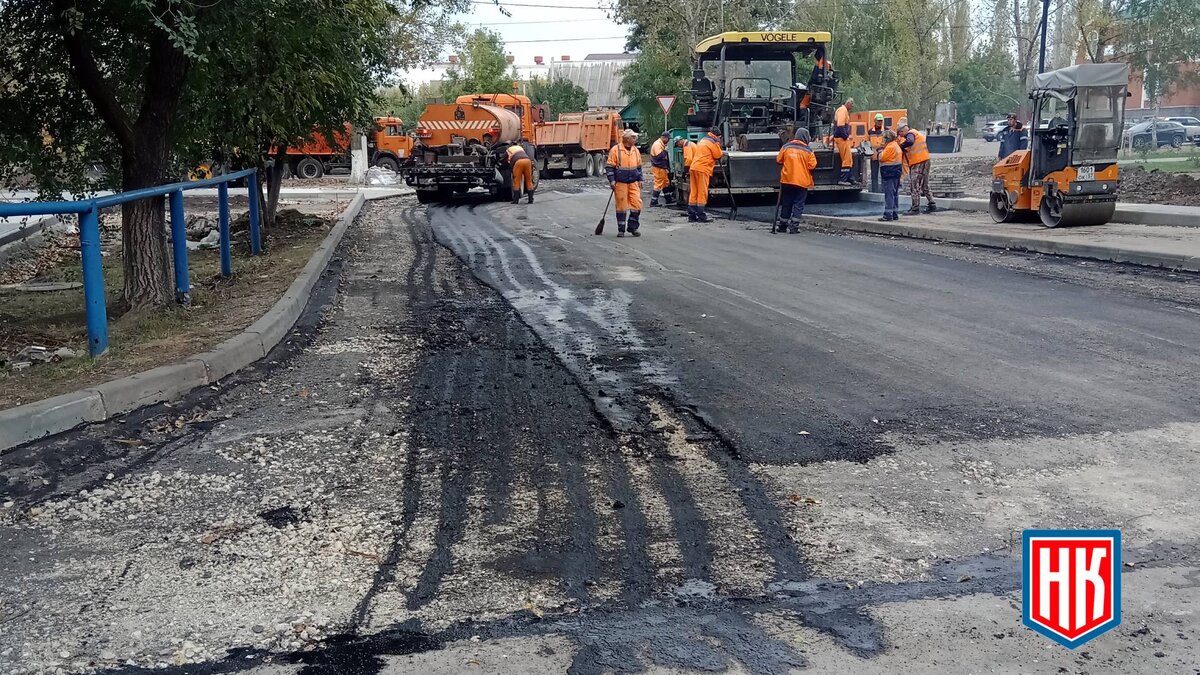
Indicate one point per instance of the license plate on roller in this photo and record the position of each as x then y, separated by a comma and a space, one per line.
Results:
1085, 173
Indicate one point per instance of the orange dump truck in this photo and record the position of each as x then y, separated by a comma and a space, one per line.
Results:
388, 145
577, 142
461, 145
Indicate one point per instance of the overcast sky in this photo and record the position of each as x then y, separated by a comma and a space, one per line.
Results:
552, 28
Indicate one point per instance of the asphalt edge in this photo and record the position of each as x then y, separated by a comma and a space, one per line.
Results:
1013, 242
1127, 212
57, 414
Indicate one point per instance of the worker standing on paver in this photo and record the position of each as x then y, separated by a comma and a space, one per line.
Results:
841, 140
522, 170
624, 173
660, 166
916, 157
705, 156
795, 178
891, 168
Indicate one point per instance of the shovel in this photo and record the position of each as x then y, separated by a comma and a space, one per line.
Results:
600, 225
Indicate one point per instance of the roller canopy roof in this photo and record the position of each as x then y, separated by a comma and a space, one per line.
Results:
1067, 80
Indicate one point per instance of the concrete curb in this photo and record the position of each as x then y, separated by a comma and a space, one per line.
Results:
1137, 214
54, 415
1015, 242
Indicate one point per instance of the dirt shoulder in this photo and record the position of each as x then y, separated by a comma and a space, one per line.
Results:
220, 308
1139, 184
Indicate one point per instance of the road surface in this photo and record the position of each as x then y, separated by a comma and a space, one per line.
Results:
497, 443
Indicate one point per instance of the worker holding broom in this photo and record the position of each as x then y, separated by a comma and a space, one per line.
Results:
705, 155
660, 166
795, 178
522, 170
624, 173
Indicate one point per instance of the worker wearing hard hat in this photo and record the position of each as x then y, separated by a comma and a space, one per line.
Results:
660, 166
795, 178
916, 157
705, 156
624, 173
841, 140
522, 170
891, 168
875, 133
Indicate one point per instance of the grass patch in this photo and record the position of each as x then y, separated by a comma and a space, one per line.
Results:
138, 341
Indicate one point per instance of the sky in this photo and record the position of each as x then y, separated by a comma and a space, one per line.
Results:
549, 28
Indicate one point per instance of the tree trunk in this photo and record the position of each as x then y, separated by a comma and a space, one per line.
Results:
144, 247
271, 184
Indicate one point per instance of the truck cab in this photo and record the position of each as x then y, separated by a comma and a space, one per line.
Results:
390, 145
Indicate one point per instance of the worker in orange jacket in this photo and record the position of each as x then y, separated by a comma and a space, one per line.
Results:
841, 140
705, 155
875, 133
624, 171
522, 170
916, 158
660, 167
795, 178
821, 68
891, 168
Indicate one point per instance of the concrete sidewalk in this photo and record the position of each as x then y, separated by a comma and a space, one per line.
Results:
1176, 248
1127, 212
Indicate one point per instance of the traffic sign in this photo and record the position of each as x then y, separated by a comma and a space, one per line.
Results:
665, 102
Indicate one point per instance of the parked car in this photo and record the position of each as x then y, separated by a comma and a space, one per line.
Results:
1191, 126
1140, 136
991, 129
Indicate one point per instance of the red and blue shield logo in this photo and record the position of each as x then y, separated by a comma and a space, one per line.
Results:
1072, 583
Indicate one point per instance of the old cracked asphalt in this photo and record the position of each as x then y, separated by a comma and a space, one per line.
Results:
499, 444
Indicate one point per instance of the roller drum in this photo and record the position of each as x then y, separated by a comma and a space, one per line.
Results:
1076, 215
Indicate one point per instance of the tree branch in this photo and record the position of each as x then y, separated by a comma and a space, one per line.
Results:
97, 88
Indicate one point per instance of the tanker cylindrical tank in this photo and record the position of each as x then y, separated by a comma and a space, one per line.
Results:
508, 121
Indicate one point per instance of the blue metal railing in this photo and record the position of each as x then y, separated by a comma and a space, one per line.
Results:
88, 211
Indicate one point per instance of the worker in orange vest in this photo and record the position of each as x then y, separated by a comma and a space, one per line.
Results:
891, 168
522, 170
841, 140
916, 157
705, 155
689, 150
875, 133
624, 173
795, 178
820, 71
660, 166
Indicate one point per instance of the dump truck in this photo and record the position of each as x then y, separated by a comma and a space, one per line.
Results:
749, 86
388, 146
943, 135
577, 142
461, 146
1069, 174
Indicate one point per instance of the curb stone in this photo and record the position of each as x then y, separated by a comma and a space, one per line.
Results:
116, 397
1168, 261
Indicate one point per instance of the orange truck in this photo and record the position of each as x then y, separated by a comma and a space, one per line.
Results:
461, 146
388, 146
577, 142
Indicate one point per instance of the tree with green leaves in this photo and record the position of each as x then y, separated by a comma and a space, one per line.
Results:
984, 83
482, 68
558, 93
657, 72
147, 86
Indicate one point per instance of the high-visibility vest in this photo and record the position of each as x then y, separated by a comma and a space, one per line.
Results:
917, 152
689, 151
798, 161
875, 135
658, 155
841, 122
516, 153
624, 164
706, 154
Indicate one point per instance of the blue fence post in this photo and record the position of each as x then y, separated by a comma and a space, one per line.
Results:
223, 227
179, 247
255, 222
93, 282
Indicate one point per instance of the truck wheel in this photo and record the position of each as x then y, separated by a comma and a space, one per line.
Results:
544, 172
601, 161
388, 163
309, 168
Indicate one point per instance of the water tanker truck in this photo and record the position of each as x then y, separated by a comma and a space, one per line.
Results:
461, 146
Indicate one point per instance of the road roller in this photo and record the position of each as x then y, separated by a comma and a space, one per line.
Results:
1068, 176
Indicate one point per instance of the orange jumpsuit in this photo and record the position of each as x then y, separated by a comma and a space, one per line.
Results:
660, 166
841, 141
704, 160
624, 172
522, 172
797, 162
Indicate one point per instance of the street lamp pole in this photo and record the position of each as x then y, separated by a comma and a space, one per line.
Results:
1042, 52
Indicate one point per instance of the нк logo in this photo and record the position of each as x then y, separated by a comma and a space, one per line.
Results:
1072, 589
